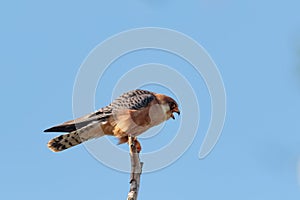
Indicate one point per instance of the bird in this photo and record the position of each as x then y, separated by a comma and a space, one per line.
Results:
129, 115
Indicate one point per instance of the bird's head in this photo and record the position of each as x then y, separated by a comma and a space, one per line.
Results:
169, 104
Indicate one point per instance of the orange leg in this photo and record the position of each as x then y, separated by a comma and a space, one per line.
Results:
137, 145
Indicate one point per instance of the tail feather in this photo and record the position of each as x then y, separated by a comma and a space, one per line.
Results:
65, 141
74, 138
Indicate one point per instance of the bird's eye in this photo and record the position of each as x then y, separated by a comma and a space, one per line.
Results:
172, 105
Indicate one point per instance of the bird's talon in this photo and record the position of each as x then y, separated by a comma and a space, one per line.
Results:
138, 146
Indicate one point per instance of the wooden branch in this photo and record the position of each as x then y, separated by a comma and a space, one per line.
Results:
136, 169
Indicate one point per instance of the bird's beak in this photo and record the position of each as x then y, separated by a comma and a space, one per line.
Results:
172, 116
175, 110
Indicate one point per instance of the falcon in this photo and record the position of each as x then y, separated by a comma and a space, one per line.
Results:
130, 114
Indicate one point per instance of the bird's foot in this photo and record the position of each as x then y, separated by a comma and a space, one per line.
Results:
137, 145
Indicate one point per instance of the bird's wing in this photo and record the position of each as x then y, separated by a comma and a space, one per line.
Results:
122, 106
133, 100
72, 125
131, 110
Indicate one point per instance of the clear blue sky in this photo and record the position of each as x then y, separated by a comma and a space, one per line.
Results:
256, 47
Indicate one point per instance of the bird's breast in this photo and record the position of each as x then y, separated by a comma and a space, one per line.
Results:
138, 121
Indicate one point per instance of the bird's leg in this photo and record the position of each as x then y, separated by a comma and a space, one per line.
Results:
135, 141
137, 145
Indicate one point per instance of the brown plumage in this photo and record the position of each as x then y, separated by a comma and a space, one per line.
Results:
132, 113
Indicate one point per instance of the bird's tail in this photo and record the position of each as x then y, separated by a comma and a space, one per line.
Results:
76, 137
65, 141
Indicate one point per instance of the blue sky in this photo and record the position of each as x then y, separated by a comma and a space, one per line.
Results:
255, 45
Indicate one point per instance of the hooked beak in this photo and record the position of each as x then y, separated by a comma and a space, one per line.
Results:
175, 110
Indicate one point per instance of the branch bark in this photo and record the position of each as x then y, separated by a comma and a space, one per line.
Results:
136, 169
